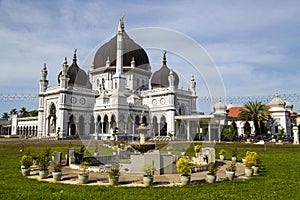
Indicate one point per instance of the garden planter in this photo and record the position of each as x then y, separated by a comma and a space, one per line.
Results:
233, 159
43, 174
222, 157
113, 180
210, 178
148, 180
230, 175
248, 172
57, 176
255, 170
26, 171
185, 179
83, 178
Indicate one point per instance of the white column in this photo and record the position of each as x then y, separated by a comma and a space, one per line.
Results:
296, 135
188, 130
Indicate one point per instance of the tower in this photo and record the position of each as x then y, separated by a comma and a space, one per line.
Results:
43, 88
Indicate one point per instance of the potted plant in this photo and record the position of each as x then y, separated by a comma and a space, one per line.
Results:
26, 161
212, 172
115, 149
184, 168
234, 155
148, 174
83, 176
79, 155
113, 175
280, 135
197, 149
257, 164
250, 162
169, 149
222, 153
244, 158
57, 174
230, 171
44, 162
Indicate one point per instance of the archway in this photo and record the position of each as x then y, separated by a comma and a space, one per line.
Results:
81, 126
105, 124
247, 128
92, 125
72, 126
155, 126
163, 126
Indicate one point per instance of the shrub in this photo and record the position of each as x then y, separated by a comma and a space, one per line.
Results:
222, 152
251, 159
114, 172
212, 169
183, 166
44, 159
197, 148
57, 167
26, 161
234, 152
149, 170
231, 168
84, 166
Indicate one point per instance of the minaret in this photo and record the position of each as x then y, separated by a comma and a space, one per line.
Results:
44, 81
171, 79
119, 62
193, 85
119, 80
43, 88
64, 79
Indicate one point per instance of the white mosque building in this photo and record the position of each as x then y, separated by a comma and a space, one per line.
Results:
119, 93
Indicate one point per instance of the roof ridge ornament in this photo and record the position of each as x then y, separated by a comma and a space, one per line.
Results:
75, 56
121, 24
164, 58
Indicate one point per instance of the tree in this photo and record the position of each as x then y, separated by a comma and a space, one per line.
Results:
256, 112
5, 116
13, 111
229, 133
24, 112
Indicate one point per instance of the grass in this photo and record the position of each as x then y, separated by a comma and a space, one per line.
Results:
279, 179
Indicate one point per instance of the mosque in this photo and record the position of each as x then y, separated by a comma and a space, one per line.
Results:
119, 93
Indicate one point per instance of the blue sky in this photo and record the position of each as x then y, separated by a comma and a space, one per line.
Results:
255, 45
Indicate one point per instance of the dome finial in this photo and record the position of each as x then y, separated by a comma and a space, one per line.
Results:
276, 95
75, 56
164, 58
121, 24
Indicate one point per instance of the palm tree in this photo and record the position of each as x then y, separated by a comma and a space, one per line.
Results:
13, 111
5, 116
23, 112
256, 112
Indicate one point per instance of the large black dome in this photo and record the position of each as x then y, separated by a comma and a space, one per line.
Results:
160, 77
130, 50
77, 76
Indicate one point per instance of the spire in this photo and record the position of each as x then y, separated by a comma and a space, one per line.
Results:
44, 72
64, 67
164, 58
276, 95
75, 56
121, 25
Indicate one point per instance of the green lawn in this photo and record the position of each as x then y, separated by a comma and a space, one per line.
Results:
279, 180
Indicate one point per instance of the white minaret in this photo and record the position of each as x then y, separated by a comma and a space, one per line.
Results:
119, 80
193, 85
43, 88
64, 79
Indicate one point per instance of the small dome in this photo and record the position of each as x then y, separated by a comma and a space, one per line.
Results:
160, 78
277, 102
220, 106
77, 76
130, 50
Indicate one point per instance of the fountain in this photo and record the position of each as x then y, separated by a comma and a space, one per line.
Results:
142, 146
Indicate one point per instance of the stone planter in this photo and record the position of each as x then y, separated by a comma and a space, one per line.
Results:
43, 174
244, 161
170, 152
57, 176
185, 179
233, 159
255, 170
26, 171
248, 172
83, 178
113, 180
210, 178
148, 180
230, 175
222, 157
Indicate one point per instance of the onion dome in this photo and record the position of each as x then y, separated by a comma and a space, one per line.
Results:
130, 50
277, 102
160, 78
288, 105
77, 77
220, 107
